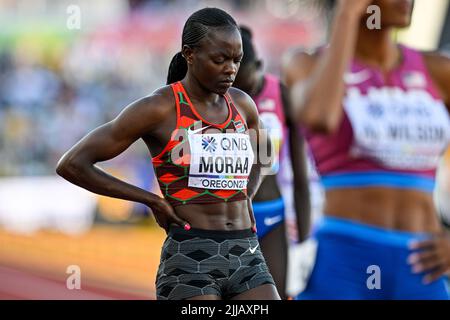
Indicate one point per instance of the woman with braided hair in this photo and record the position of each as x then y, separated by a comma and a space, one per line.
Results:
197, 128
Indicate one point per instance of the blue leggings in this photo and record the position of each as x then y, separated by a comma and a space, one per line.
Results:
268, 215
357, 261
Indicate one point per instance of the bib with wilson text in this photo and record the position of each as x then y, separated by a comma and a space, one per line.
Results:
399, 129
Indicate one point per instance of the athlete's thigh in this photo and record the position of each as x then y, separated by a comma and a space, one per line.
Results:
274, 249
206, 297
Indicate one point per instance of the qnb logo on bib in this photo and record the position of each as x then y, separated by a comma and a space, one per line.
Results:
209, 144
400, 129
220, 161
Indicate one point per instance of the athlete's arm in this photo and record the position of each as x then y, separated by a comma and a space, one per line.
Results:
108, 141
434, 255
258, 136
302, 201
316, 82
438, 65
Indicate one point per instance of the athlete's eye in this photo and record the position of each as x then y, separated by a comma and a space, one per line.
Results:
218, 60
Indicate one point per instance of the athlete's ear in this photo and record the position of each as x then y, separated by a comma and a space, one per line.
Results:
187, 52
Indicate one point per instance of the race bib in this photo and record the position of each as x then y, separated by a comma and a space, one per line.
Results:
399, 129
220, 161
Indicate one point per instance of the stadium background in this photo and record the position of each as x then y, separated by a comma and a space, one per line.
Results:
58, 82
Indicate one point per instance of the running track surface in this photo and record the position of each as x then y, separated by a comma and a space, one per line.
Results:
23, 285
115, 263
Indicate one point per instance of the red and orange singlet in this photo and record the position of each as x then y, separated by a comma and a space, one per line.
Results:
204, 162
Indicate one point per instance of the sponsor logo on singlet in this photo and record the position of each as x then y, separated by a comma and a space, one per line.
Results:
239, 126
414, 79
353, 78
220, 160
400, 129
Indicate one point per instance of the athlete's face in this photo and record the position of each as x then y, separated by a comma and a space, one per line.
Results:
395, 13
215, 62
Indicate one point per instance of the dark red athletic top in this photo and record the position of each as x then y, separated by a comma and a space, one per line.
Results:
204, 162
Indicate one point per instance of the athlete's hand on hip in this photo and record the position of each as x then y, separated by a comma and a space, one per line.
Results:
431, 256
165, 215
353, 7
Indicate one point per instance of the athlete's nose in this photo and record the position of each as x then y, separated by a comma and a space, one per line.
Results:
230, 69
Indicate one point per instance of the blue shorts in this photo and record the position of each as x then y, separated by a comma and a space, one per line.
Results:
357, 261
268, 215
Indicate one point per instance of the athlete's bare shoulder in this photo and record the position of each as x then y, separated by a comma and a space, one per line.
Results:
245, 105
438, 65
297, 64
145, 114
157, 104
436, 58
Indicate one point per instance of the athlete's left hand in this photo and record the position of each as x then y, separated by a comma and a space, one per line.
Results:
431, 256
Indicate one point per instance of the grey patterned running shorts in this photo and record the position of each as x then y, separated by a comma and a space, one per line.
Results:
208, 262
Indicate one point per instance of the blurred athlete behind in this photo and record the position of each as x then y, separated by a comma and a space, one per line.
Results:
376, 118
268, 206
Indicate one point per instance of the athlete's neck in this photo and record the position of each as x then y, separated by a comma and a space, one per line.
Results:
199, 93
259, 85
377, 48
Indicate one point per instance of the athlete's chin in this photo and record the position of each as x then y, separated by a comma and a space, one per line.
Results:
403, 23
222, 87
398, 22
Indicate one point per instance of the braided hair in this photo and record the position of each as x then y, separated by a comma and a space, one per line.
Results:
195, 29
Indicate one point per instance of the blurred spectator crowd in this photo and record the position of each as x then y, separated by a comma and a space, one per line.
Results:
54, 91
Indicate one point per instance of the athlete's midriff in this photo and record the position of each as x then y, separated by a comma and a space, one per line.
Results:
397, 209
218, 216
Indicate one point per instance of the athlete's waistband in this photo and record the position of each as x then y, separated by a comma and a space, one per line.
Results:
379, 179
177, 231
268, 206
360, 231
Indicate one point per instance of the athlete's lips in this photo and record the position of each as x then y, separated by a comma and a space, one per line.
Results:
225, 84
227, 81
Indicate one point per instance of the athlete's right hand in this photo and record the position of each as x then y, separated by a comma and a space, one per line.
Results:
354, 7
165, 215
